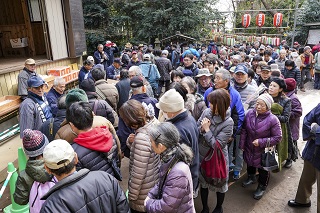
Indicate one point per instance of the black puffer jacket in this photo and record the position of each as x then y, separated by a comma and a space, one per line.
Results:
102, 108
86, 191
90, 147
294, 73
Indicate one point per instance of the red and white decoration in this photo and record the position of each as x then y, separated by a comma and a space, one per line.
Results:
246, 18
260, 19
277, 19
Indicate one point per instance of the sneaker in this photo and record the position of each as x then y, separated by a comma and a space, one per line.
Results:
288, 164
236, 175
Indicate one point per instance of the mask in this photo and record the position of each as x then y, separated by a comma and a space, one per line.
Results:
165, 115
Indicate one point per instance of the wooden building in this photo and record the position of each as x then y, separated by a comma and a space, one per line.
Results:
52, 32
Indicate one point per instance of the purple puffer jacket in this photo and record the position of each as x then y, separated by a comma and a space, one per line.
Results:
260, 127
177, 193
296, 113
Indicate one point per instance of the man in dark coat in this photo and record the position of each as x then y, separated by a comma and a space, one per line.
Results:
56, 91
90, 191
50, 127
311, 157
110, 48
172, 106
139, 94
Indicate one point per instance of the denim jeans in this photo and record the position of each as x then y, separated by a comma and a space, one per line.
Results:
238, 155
316, 80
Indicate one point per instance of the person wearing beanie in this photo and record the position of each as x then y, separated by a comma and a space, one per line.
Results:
35, 109
282, 109
99, 107
75, 95
78, 191
260, 129
296, 109
172, 106
34, 181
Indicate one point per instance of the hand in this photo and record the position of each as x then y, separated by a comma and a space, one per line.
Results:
145, 201
131, 138
230, 140
256, 142
205, 124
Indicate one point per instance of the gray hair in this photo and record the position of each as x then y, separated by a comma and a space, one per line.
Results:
190, 83
283, 51
168, 135
62, 102
58, 80
99, 45
137, 90
136, 69
225, 74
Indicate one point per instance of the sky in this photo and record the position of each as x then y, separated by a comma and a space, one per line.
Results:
225, 5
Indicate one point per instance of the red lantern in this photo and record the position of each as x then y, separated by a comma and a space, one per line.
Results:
277, 19
260, 19
246, 18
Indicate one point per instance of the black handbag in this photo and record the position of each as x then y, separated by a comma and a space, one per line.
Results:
113, 164
269, 158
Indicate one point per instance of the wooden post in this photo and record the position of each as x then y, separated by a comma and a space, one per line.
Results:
31, 49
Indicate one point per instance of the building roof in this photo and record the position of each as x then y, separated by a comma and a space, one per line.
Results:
178, 36
312, 24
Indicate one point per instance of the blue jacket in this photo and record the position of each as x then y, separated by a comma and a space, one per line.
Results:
311, 151
237, 110
189, 135
52, 98
110, 53
84, 74
124, 131
112, 72
150, 72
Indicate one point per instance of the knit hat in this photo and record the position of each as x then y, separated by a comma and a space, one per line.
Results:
88, 85
267, 99
76, 95
34, 142
171, 101
280, 82
57, 151
291, 84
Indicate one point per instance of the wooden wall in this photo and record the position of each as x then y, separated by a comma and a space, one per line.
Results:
9, 81
38, 38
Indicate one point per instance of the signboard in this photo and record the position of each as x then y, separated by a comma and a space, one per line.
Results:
314, 36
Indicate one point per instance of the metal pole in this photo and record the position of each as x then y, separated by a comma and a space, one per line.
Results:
295, 22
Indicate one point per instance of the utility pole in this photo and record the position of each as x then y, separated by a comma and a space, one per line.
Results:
295, 21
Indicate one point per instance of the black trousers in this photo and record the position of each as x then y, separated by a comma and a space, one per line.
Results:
263, 174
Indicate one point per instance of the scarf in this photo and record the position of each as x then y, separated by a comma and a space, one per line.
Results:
168, 154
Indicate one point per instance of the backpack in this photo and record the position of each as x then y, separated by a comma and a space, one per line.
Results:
213, 50
38, 190
214, 167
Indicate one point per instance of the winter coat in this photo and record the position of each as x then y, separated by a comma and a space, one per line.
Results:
124, 131
294, 73
34, 171
86, 191
303, 59
311, 151
296, 113
52, 98
236, 106
194, 69
112, 72
123, 87
195, 105
90, 147
84, 74
201, 90
281, 63
143, 168
262, 127
265, 82
46, 126
109, 91
110, 53
189, 135
164, 66
177, 191
23, 78
221, 131
133, 63
100, 107
245, 92
150, 72
30, 116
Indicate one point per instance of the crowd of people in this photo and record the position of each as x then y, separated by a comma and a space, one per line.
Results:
168, 109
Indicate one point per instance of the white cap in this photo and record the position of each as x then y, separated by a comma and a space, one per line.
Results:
57, 151
171, 101
90, 58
